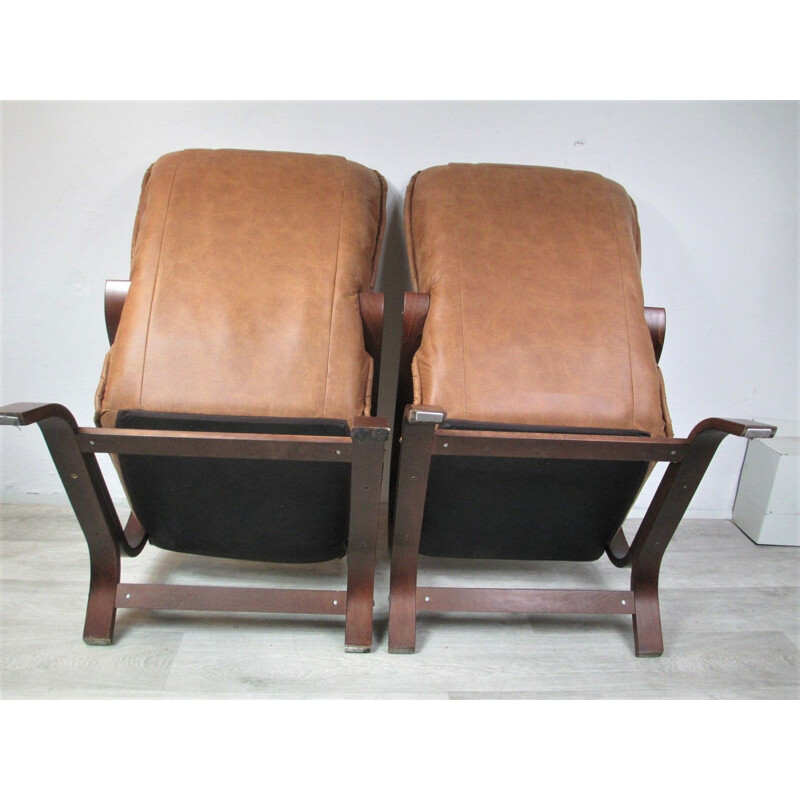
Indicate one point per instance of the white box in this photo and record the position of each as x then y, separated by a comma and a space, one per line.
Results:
767, 507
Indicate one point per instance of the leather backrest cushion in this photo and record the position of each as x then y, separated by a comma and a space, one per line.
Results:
246, 269
537, 313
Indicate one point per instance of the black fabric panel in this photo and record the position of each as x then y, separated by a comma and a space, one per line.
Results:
526, 509
281, 511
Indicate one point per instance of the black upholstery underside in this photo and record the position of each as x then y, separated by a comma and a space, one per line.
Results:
526, 509
280, 511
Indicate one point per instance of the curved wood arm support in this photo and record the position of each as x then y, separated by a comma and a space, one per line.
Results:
88, 494
656, 319
415, 311
59, 428
703, 442
669, 504
116, 294
618, 550
747, 428
134, 536
371, 307
30, 413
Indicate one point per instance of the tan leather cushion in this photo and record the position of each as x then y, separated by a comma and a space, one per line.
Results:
246, 268
536, 314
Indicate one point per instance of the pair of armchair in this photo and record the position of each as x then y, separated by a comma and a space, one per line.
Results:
238, 398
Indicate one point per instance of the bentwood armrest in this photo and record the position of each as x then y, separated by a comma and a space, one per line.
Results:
115, 296
656, 319
30, 413
747, 428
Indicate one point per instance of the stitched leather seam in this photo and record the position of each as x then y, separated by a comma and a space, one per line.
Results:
381, 228
460, 294
416, 372
141, 208
155, 282
625, 305
333, 292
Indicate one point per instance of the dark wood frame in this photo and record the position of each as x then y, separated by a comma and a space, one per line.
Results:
422, 438
74, 450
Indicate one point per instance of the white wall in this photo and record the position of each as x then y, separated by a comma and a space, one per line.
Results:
716, 185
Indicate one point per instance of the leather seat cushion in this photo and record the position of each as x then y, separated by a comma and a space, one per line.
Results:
246, 269
536, 306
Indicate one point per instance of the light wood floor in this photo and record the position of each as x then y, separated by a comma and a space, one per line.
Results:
730, 611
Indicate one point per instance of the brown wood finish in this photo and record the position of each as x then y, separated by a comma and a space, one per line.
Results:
116, 294
663, 516
556, 445
175, 597
656, 319
134, 535
73, 450
281, 447
371, 305
88, 495
530, 601
415, 311
369, 440
617, 549
415, 459
688, 459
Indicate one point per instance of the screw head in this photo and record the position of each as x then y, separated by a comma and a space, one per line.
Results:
74, 475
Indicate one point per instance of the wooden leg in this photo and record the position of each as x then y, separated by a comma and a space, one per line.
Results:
87, 492
93, 508
647, 639
101, 609
669, 504
365, 494
419, 427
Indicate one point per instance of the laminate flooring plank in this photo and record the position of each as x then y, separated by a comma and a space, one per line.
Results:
53, 662
730, 611
51, 603
480, 655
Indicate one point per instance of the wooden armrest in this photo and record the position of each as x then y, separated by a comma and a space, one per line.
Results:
656, 319
747, 428
31, 413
